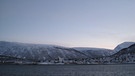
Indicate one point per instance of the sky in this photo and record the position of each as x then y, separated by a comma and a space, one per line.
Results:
70, 23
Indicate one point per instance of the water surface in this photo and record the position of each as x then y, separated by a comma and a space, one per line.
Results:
68, 70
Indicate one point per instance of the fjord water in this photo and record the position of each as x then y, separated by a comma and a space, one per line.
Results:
67, 70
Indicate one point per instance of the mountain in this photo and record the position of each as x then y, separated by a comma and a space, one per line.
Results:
123, 45
126, 51
48, 52
14, 52
94, 52
125, 55
38, 51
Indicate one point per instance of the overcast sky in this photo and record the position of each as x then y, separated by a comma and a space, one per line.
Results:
71, 23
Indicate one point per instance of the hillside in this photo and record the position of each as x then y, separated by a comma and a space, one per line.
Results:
24, 52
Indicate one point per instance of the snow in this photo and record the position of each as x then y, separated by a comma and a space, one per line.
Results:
89, 48
94, 52
44, 52
37, 51
123, 45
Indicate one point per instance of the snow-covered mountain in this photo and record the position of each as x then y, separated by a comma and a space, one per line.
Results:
123, 45
129, 50
125, 55
38, 51
95, 52
43, 52
14, 51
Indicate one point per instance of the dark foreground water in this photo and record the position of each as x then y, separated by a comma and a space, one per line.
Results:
68, 70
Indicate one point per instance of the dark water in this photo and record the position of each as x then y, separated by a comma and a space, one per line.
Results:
67, 70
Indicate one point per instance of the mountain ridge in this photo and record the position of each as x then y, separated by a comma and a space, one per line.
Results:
41, 52
13, 48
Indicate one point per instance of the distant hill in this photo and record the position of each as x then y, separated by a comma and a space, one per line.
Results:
42, 52
127, 50
126, 54
38, 51
95, 52
14, 51
123, 45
